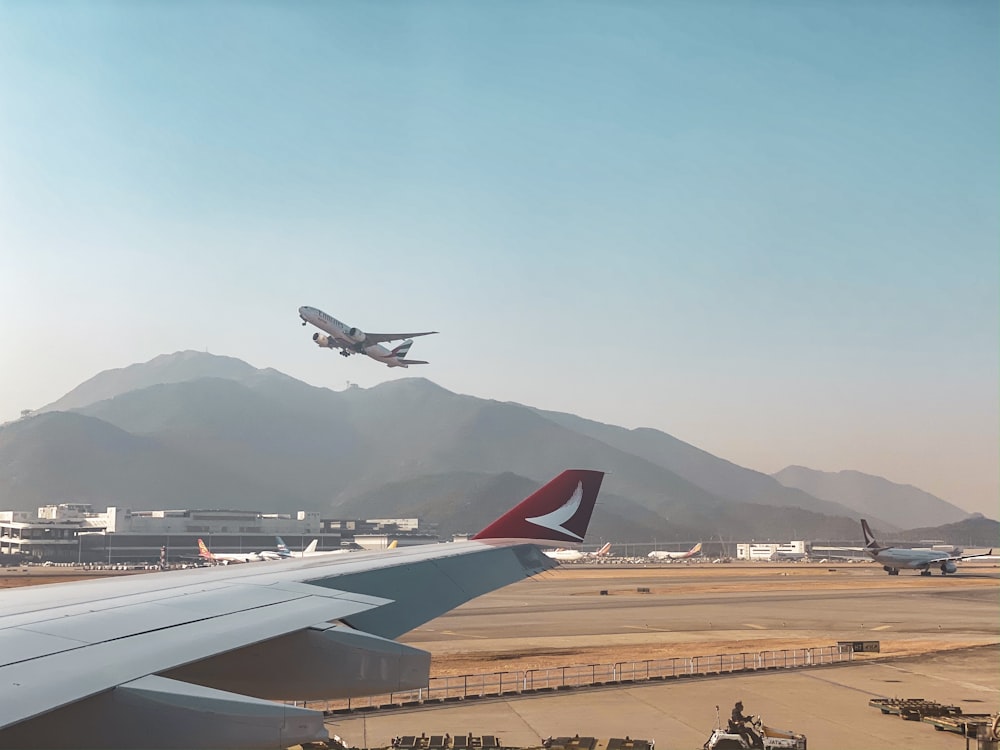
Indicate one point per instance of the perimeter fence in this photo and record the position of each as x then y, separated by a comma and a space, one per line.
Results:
492, 684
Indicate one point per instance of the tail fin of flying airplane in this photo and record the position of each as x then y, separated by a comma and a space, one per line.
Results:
204, 552
401, 350
603, 550
311, 548
870, 541
558, 512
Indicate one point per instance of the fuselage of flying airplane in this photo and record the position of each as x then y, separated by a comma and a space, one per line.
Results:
664, 555
350, 340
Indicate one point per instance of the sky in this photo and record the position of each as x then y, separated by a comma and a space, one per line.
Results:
769, 229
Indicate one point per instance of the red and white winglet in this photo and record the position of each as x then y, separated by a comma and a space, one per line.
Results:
558, 512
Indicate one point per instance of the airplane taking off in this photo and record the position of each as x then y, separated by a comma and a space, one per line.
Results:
572, 555
350, 340
657, 554
895, 558
197, 658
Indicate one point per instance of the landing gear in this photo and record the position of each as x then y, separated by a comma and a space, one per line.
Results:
890, 571
925, 572
303, 322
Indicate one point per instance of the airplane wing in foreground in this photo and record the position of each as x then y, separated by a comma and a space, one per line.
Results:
194, 658
381, 338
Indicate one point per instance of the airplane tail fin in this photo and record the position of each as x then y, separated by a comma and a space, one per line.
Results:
603, 550
558, 512
870, 542
695, 549
393, 544
281, 547
204, 552
311, 548
401, 350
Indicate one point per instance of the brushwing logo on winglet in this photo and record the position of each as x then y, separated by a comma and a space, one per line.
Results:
554, 521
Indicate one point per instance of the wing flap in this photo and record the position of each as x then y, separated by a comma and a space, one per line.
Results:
321, 662
159, 712
93, 668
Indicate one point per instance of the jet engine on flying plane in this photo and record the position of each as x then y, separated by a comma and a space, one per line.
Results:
948, 567
324, 340
356, 335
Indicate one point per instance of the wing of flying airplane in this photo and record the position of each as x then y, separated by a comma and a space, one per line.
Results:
194, 658
381, 338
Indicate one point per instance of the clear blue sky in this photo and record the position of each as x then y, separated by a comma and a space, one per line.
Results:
769, 229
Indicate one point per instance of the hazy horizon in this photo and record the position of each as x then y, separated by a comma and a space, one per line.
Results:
769, 230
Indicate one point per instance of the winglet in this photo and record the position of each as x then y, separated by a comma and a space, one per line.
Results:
558, 512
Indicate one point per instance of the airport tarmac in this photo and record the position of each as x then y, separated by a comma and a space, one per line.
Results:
940, 640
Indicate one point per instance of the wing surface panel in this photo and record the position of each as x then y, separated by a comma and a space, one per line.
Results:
424, 590
381, 338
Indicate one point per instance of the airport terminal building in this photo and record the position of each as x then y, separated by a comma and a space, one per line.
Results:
75, 533
772, 550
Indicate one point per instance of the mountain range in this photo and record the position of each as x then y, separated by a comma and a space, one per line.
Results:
197, 430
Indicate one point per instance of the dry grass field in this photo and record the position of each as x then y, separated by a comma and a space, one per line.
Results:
693, 610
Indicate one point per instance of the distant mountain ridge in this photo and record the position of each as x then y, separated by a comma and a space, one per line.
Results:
901, 504
166, 368
197, 430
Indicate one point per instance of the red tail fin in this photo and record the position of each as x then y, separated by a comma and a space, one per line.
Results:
559, 511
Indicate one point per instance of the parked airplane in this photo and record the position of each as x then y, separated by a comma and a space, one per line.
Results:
197, 657
657, 554
572, 555
354, 341
895, 558
281, 552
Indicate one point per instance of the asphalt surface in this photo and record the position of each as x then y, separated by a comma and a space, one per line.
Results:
702, 610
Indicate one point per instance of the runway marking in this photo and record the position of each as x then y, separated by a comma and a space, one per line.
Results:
882, 627
461, 635
755, 627
646, 627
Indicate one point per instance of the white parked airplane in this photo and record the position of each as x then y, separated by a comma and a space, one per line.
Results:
355, 341
658, 554
572, 555
196, 658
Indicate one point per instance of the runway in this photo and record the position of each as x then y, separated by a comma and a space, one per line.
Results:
562, 618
